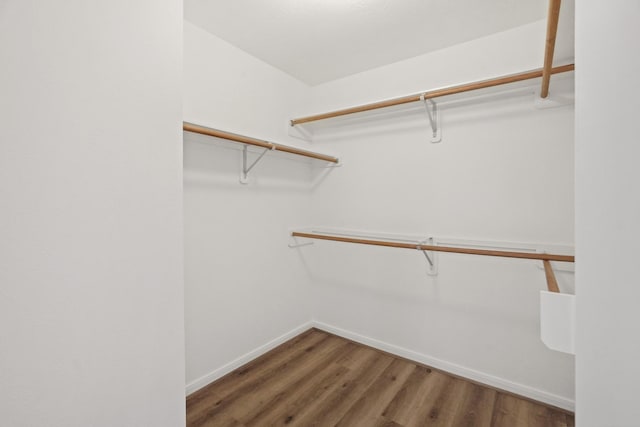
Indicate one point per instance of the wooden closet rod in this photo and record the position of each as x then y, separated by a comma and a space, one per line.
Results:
419, 246
550, 45
435, 93
190, 127
552, 283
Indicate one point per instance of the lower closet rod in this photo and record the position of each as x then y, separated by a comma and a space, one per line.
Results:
423, 247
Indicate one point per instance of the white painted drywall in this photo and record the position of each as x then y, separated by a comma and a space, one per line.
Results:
607, 212
503, 172
244, 286
91, 294
319, 41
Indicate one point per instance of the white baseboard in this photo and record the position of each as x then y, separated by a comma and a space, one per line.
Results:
471, 374
235, 364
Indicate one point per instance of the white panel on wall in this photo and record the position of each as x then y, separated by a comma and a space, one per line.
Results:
557, 321
91, 294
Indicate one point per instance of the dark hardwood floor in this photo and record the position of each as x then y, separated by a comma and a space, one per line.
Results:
319, 379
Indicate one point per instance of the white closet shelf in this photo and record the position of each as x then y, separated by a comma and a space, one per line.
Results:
267, 145
557, 310
451, 90
545, 73
546, 258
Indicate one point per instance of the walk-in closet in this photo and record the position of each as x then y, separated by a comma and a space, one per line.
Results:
357, 213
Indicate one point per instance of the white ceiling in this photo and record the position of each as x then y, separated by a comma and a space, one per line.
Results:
322, 40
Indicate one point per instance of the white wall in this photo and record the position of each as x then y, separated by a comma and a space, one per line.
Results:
244, 286
607, 212
91, 301
503, 172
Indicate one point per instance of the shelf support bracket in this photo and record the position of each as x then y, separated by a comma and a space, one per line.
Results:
434, 118
298, 131
244, 174
331, 166
426, 255
299, 245
431, 259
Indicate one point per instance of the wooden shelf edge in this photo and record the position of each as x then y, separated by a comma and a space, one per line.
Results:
450, 249
203, 130
527, 75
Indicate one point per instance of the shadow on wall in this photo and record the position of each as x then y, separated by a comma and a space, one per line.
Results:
481, 106
213, 162
476, 286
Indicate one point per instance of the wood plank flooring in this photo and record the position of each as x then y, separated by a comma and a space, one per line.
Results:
319, 379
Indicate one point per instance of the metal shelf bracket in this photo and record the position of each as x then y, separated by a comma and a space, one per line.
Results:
296, 244
299, 131
434, 118
430, 256
244, 173
333, 166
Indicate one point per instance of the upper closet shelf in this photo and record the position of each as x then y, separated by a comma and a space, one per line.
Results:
190, 127
427, 97
246, 140
451, 90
